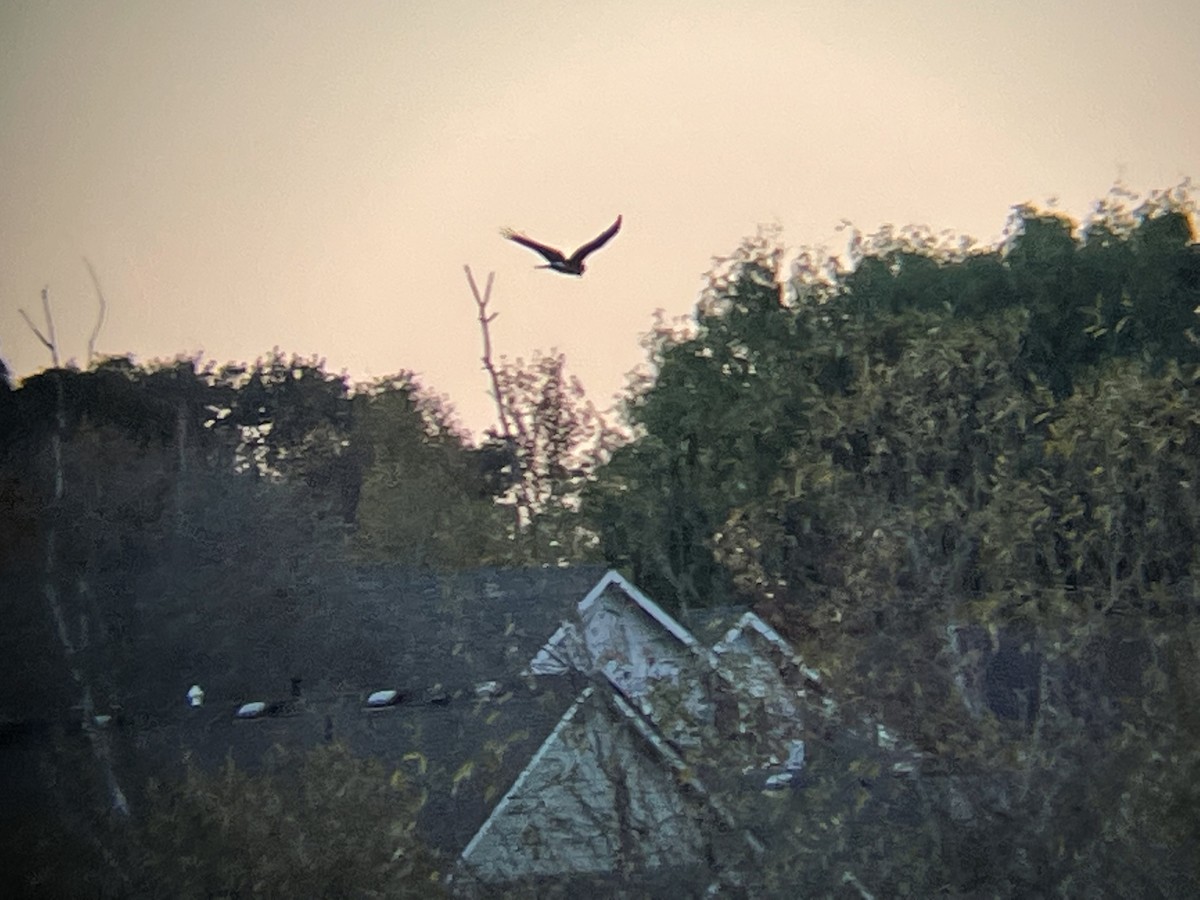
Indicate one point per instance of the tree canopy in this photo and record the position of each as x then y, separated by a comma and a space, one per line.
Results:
961, 478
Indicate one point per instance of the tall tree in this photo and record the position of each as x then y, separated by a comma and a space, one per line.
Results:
424, 500
557, 440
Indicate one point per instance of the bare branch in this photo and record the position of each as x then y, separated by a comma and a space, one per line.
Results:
484, 320
51, 342
41, 337
91, 346
50, 325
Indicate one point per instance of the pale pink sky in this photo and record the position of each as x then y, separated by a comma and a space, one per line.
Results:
314, 175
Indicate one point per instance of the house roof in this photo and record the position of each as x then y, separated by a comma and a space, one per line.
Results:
470, 724
739, 707
710, 624
644, 603
627, 645
464, 720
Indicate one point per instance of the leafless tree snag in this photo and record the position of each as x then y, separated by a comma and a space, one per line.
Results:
54, 576
481, 301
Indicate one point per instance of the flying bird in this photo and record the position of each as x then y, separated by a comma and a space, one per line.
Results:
572, 265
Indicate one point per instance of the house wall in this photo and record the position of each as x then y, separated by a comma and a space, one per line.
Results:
595, 801
628, 646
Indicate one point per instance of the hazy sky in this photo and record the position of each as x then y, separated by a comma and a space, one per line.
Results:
313, 176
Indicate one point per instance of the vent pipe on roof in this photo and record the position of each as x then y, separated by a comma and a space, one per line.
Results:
251, 710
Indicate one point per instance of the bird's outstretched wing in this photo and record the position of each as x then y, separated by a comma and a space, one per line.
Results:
551, 255
579, 255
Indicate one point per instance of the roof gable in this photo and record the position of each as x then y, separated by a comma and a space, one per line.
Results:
644, 603
605, 794
633, 651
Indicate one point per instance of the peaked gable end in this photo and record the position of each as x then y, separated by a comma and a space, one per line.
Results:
595, 799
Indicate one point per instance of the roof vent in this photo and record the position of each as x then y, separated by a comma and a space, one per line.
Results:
487, 689
251, 710
779, 781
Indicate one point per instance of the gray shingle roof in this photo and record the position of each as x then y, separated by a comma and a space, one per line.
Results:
453, 647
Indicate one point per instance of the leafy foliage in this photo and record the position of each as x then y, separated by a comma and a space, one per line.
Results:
962, 479
423, 500
326, 825
557, 441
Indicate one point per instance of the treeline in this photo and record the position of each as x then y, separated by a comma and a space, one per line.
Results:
923, 463
925, 366
176, 522
966, 481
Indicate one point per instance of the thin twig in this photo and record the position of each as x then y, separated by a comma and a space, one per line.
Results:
50, 325
91, 346
50, 343
41, 337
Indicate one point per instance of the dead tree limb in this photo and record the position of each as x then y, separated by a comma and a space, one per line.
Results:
100, 743
512, 441
481, 302
51, 342
91, 346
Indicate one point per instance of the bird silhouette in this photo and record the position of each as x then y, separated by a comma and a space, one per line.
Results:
572, 265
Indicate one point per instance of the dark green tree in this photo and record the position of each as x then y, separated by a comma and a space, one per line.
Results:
424, 498
959, 479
